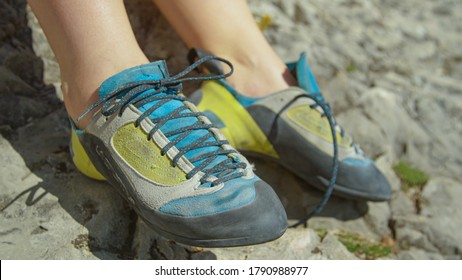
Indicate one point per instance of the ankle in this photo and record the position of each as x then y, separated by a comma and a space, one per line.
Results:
77, 100
256, 77
81, 84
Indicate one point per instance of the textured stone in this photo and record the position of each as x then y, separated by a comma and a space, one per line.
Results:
295, 244
442, 208
333, 249
26, 66
385, 40
12, 84
340, 93
441, 118
414, 30
54, 204
385, 165
401, 205
368, 134
378, 218
408, 236
13, 25
421, 51
19, 110
28, 231
418, 254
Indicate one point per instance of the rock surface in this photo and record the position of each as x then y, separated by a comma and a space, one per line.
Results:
391, 73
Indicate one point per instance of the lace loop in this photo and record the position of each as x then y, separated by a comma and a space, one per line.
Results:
319, 101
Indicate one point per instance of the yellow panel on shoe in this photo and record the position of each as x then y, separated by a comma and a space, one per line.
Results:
241, 130
145, 156
309, 119
81, 159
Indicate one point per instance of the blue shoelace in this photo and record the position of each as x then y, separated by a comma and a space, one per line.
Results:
162, 91
327, 113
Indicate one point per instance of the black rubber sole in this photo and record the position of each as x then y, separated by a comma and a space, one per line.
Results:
214, 243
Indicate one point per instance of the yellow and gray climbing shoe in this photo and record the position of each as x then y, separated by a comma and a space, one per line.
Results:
295, 128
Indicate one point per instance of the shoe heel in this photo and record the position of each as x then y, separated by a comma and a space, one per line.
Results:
81, 159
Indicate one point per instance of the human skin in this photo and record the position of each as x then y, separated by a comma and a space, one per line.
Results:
93, 40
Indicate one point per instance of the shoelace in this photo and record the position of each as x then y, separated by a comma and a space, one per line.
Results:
338, 128
164, 90
320, 98
319, 101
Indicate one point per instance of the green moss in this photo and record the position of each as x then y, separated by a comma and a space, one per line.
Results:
321, 232
351, 67
362, 247
410, 176
458, 58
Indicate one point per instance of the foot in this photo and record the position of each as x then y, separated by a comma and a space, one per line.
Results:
289, 127
173, 167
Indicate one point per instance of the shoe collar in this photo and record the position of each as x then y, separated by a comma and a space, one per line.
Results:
152, 71
302, 72
300, 69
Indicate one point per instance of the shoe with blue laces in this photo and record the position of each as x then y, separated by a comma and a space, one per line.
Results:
295, 128
171, 164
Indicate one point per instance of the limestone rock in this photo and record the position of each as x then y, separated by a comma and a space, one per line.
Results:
295, 244
442, 208
418, 254
332, 249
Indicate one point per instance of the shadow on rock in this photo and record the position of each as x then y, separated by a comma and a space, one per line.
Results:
300, 199
106, 226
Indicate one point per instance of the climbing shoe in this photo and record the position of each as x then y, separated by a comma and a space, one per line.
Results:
171, 164
293, 127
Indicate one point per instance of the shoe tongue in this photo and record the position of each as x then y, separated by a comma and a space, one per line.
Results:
156, 71
152, 71
305, 76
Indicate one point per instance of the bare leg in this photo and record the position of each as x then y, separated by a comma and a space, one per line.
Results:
92, 40
226, 28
